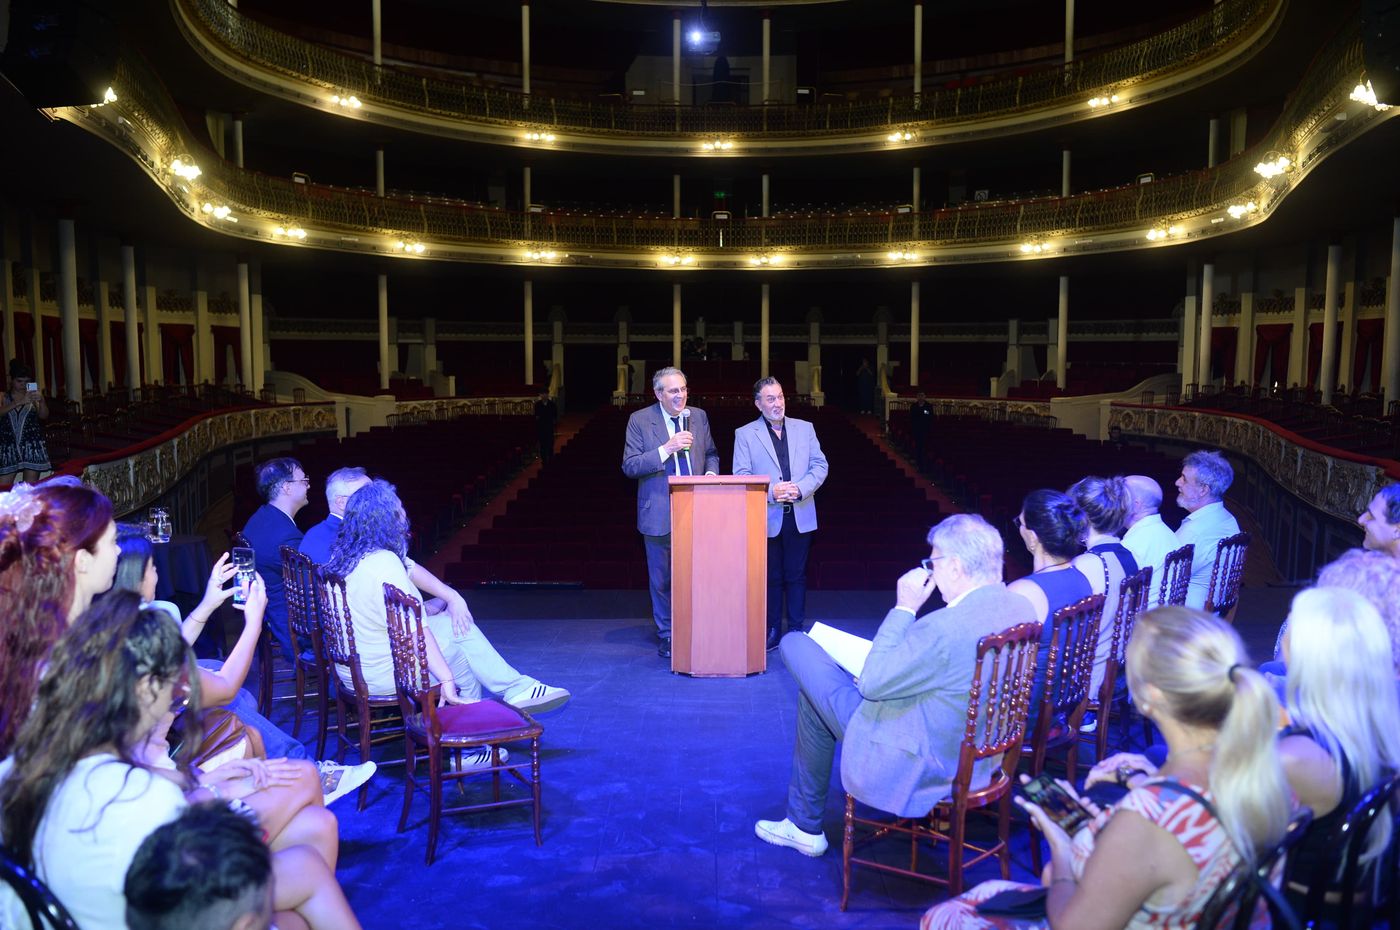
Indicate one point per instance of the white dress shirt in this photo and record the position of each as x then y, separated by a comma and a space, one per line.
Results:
1204, 528
1151, 541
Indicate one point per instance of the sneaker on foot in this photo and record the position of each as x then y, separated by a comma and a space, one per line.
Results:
538, 698
339, 780
1090, 724
480, 757
785, 833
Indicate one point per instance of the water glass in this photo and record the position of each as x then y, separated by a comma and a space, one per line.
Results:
158, 525
242, 558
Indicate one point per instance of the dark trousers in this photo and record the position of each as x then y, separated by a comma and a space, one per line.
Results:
920, 439
787, 575
659, 580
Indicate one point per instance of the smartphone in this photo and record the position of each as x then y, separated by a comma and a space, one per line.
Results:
32, 386
244, 565
1061, 806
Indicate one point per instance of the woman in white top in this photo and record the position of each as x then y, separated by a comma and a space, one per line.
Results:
75, 802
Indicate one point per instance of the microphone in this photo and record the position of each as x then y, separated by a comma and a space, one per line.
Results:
685, 427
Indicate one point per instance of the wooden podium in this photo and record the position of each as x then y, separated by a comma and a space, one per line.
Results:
719, 575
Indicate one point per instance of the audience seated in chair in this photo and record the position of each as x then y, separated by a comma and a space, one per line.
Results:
1381, 521
901, 721
283, 485
221, 683
370, 550
1155, 858
1205, 477
77, 797
1145, 535
207, 869
1106, 502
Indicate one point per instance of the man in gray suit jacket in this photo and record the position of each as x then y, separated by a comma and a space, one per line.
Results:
668, 439
786, 450
903, 719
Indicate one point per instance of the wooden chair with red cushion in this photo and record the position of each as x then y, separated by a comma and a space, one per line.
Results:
377, 718
997, 700
450, 729
1223, 595
1176, 576
1134, 592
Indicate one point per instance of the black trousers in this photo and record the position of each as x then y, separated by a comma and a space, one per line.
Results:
787, 575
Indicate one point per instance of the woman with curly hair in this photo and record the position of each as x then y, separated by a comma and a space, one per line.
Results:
77, 797
58, 550
372, 549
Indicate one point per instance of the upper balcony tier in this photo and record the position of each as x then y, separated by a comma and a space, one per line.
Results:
1161, 66
1320, 116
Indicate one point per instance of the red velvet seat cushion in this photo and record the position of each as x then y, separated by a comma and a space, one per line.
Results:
481, 717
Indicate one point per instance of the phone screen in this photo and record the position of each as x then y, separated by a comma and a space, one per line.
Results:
1058, 804
32, 386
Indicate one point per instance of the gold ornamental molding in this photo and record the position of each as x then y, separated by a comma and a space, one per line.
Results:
1322, 115
1190, 55
1340, 486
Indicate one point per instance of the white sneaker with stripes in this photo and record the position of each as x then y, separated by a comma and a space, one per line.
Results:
538, 698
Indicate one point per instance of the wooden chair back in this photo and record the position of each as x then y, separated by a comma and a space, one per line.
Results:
302, 607
997, 701
1070, 667
1134, 593
1176, 576
40, 905
406, 642
337, 627
1223, 595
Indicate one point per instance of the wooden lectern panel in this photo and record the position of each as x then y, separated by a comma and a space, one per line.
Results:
719, 572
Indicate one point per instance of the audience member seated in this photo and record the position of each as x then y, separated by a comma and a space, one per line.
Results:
58, 550
1381, 521
284, 486
372, 549
207, 869
903, 719
1148, 539
1372, 574
221, 683
77, 799
1200, 491
1105, 502
1154, 859
1053, 529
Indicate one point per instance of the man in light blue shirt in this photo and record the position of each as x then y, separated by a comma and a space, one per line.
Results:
1205, 477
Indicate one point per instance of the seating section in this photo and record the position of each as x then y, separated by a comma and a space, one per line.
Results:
1351, 423
575, 522
441, 468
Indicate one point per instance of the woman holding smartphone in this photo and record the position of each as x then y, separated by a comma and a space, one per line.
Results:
23, 454
1154, 859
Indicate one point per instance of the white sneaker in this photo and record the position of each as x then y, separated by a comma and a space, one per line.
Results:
480, 757
785, 833
538, 699
339, 780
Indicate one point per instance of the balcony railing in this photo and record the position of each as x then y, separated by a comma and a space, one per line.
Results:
1228, 31
146, 122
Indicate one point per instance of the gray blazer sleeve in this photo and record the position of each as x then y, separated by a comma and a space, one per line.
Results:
907, 658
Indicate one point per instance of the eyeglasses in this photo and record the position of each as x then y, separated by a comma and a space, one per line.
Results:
303, 480
928, 563
180, 695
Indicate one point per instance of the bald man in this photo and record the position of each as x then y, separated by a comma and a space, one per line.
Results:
1148, 538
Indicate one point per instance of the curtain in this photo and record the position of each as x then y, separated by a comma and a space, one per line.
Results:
1271, 345
1369, 346
1223, 340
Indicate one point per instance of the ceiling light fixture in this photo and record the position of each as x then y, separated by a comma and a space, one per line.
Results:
765, 259
219, 212
350, 101
539, 136
717, 145
290, 232
1034, 248
1273, 167
1241, 210
901, 256
900, 135
1364, 93
1157, 233
1098, 102
409, 246
184, 167
673, 260
544, 255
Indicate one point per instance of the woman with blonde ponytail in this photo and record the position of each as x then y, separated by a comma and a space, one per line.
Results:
1154, 859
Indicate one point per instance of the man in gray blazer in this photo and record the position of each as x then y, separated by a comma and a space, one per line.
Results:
903, 719
785, 449
670, 438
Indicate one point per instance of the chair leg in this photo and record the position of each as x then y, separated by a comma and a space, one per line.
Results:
847, 846
410, 768
1004, 835
1101, 735
363, 712
342, 710
323, 714
265, 673
535, 785
434, 799
300, 703
496, 773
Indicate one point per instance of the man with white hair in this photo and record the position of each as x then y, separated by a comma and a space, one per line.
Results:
1200, 491
494, 672
903, 719
1147, 537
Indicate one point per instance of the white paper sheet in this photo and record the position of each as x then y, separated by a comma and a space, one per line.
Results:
848, 649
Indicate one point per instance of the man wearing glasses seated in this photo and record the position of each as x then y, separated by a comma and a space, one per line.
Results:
284, 486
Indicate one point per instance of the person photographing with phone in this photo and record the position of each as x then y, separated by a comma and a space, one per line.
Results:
24, 456
1154, 859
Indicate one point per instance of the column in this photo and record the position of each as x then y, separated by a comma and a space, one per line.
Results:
675, 196
1390, 355
1298, 340
1203, 375
1190, 327
245, 325
133, 325
676, 62
259, 347
1245, 338
68, 311
525, 48
376, 15
1346, 372
529, 299
238, 141
203, 330
1064, 172
764, 321
385, 364
913, 333
736, 346
918, 49
7, 306
1062, 327
765, 195
814, 337
917, 192
1213, 142
527, 186
31, 269
102, 306
379, 171
150, 309
430, 362
767, 55
676, 325
1069, 31
882, 349
1013, 351
1328, 376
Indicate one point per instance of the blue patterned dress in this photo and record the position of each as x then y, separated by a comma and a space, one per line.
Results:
22, 445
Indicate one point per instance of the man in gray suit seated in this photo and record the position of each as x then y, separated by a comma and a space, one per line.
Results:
903, 719
670, 438
785, 449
